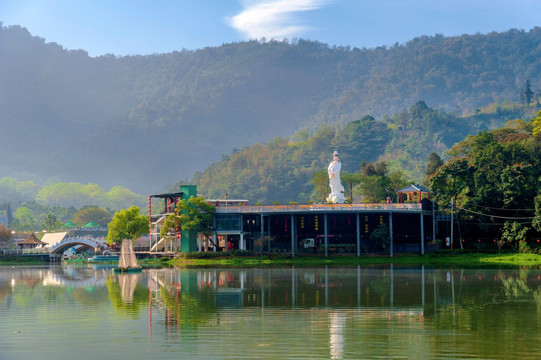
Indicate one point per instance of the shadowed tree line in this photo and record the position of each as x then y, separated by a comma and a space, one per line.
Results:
493, 181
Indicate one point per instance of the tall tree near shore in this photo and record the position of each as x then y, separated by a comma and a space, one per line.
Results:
127, 224
194, 214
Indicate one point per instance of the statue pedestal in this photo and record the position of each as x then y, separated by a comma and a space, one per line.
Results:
336, 198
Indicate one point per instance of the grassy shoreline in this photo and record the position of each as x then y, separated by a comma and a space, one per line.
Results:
435, 260
465, 260
22, 261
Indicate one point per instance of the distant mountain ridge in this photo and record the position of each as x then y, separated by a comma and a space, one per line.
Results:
144, 122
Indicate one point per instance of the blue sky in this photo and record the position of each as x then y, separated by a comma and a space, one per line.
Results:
129, 27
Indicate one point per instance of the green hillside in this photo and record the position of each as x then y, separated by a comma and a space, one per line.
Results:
283, 169
143, 122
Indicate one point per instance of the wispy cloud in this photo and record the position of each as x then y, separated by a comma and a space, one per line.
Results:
274, 19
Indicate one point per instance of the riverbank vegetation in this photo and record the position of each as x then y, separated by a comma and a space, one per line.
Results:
20, 260
441, 259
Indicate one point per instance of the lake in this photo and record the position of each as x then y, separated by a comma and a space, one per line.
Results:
359, 312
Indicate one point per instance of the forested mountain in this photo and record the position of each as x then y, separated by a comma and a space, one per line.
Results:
283, 170
144, 122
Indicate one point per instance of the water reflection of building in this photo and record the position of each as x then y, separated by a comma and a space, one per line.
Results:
76, 277
327, 300
334, 308
395, 290
386, 287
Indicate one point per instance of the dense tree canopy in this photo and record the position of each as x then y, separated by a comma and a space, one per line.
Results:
34, 216
93, 214
494, 179
193, 214
79, 195
127, 224
14, 190
50, 206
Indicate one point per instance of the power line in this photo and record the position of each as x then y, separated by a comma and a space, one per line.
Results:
493, 224
494, 208
499, 217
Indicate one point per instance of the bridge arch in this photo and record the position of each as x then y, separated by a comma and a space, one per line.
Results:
71, 242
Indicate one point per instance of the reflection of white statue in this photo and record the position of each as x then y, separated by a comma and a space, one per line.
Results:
336, 195
338, 324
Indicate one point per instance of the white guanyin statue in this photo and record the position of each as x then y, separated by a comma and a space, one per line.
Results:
336, 196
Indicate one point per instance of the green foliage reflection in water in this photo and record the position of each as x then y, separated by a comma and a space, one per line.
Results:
188, 309
130, 308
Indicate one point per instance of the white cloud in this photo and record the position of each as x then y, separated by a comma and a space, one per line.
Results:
273, 19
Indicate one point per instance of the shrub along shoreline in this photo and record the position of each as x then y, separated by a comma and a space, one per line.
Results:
436, 260
186, 260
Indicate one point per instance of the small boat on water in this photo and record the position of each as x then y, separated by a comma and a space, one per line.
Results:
127, 261
104, 258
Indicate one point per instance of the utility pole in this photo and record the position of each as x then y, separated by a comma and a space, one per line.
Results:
452, 221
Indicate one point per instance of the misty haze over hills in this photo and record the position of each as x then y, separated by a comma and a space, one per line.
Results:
144, 122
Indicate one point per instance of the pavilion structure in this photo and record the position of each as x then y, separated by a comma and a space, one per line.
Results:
31, 242
413, 193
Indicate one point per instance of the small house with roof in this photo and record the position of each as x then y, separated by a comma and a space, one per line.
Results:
31, 242
413, 193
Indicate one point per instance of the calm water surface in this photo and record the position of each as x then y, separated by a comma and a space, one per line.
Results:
387, 312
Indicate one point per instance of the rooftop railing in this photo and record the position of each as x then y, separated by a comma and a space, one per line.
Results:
317, 207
